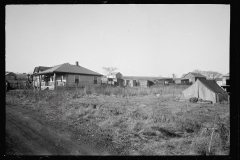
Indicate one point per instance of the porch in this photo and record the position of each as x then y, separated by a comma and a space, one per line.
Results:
51, 86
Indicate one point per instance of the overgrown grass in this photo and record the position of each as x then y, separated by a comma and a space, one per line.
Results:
153, 128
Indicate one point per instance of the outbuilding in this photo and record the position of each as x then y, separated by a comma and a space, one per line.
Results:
192, 77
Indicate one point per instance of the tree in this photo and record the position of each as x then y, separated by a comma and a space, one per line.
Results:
109, 70
174, 76
198, 71
209, 74
212, 74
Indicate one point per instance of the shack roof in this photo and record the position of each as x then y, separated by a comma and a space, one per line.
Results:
194, 74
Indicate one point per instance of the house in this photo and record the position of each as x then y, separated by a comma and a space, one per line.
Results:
164, 81
66, 75
113, 79
185, 81
206, 90
10, 76
115, 75
138, 81
226, 82
181, 81
192, 77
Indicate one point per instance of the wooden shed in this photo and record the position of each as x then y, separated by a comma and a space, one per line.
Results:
138, 81
192, 77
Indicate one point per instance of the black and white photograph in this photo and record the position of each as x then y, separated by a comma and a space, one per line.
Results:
117, 80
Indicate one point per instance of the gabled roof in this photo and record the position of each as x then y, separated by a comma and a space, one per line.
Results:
212, 85
68, 68
195, 75
41, 68
183, 75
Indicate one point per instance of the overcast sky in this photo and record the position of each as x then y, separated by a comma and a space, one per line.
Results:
140, 40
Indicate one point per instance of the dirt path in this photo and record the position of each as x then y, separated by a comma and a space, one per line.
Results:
26, 135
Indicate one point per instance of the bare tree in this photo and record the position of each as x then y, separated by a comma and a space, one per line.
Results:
212, 74
198, 71
109, 70
209, 74
174, 76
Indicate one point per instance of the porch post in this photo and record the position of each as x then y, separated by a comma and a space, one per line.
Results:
33, 82
54, 80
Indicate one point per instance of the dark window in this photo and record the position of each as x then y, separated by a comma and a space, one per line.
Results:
95, 80
76, 78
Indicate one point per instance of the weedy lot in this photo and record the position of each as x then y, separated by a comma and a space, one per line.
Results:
135, 121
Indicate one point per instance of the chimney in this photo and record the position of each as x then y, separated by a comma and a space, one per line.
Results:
76, 63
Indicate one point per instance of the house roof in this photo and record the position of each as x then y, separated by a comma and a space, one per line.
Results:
166, 78
212, 85
194, 74
68, 68
41, 68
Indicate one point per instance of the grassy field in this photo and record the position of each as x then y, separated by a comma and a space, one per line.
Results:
138, 121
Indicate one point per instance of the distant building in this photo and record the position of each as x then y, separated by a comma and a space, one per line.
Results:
138, 81
192, 77
226, 82
115, 75
181, 81
10, 76
164, 81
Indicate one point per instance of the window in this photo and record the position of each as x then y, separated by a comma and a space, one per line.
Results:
95, 80
76, 78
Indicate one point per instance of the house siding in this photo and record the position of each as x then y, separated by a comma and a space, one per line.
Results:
84, 80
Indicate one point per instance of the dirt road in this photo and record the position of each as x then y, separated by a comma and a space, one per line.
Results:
26, 134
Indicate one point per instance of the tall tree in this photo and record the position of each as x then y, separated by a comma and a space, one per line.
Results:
209, 74
174, 76
109, 70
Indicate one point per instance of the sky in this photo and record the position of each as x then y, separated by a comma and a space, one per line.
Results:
138, 39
